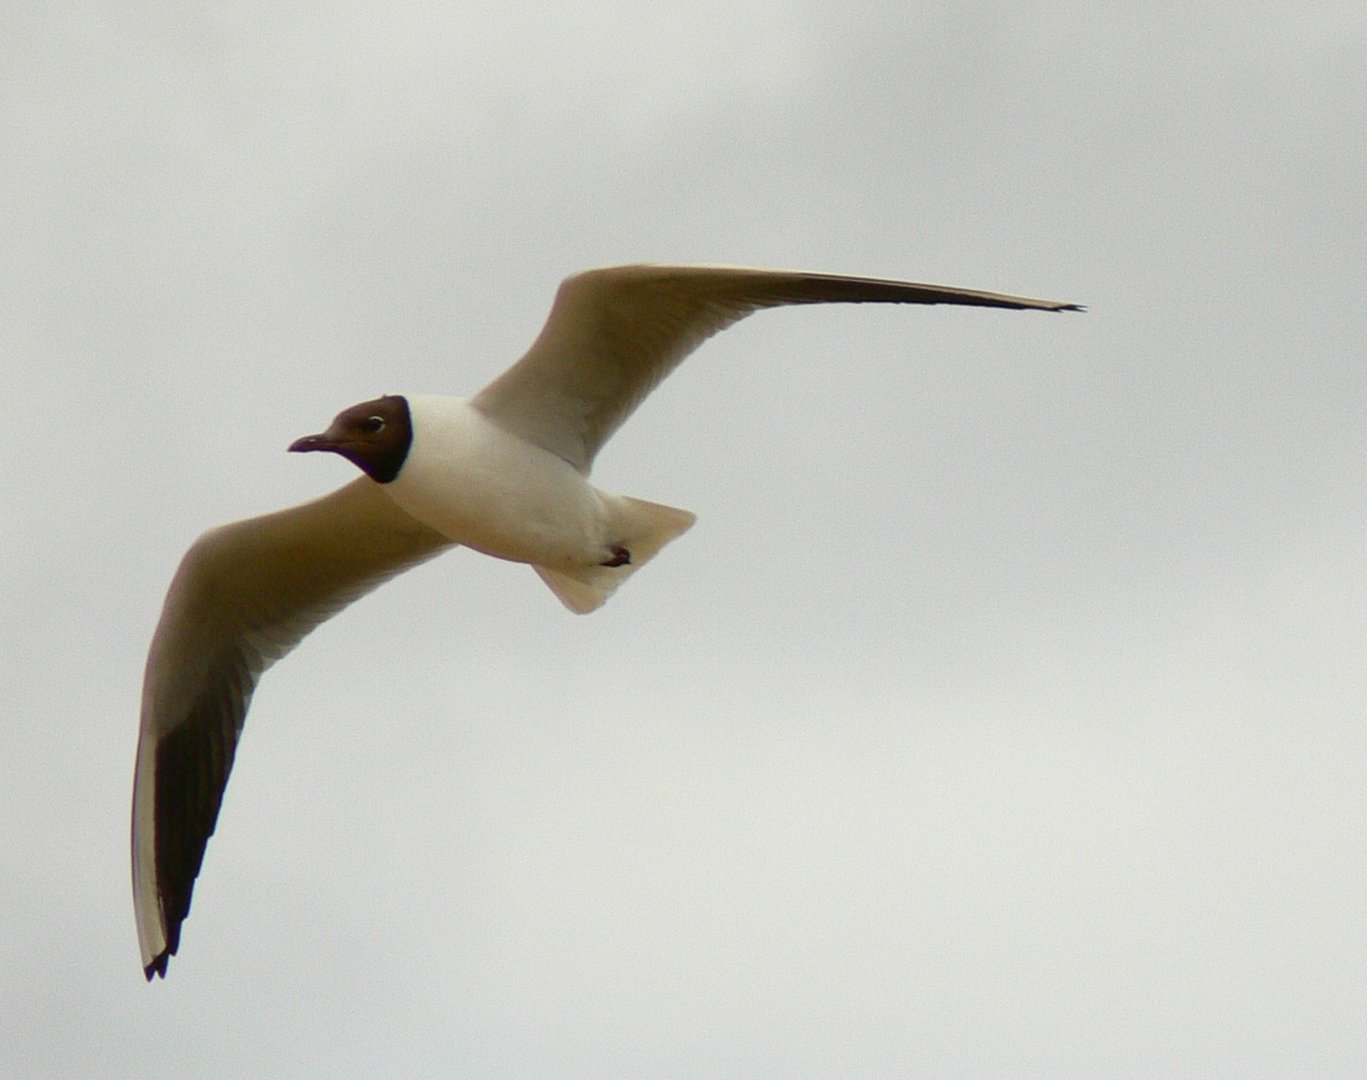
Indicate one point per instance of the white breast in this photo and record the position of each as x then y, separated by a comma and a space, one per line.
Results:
492, 491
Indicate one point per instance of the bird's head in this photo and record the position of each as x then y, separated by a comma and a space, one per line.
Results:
375, 436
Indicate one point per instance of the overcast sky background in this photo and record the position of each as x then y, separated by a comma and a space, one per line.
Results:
1003, 715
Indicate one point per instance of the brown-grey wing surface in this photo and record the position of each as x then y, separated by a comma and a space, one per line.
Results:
245, 594
613, 334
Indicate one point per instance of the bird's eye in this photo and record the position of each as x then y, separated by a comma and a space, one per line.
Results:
373, 424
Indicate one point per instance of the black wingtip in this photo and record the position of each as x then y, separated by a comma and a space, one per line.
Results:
158, 965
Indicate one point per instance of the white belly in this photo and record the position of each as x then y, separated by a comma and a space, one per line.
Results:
491, 491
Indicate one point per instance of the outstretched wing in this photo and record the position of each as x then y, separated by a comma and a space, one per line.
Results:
244, 596
614, 333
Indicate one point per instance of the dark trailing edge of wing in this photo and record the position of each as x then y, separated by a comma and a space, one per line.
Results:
192, 767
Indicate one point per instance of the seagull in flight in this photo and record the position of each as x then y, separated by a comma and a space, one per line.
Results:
505, 472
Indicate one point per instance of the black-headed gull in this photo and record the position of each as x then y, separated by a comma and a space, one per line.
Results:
504, 472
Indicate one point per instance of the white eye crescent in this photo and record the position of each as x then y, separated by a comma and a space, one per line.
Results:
373, 424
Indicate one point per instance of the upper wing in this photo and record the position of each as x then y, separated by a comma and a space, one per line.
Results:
614, 333
244, 596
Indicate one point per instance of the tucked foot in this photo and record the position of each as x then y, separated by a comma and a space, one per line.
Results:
620, 556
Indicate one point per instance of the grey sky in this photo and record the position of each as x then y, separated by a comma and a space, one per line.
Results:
1002, 715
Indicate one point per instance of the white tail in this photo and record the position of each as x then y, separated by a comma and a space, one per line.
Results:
643, 528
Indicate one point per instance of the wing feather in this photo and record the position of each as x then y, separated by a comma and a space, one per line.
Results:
245, 594
613, 334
